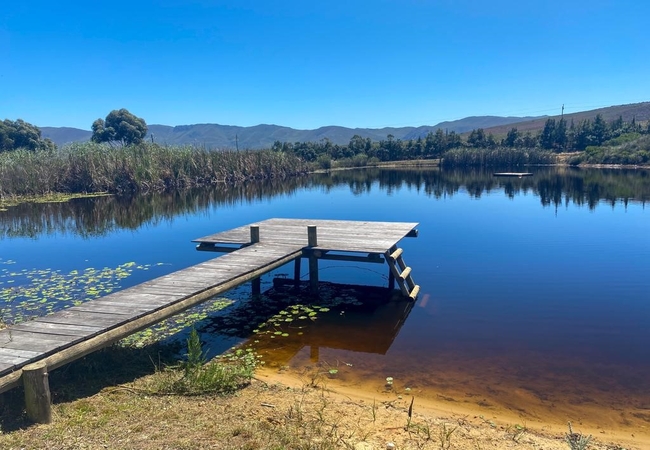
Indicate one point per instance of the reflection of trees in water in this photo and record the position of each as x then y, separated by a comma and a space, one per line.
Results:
554, 186
101, 215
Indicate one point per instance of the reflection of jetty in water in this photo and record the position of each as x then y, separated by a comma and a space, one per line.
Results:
363, 319
99, 216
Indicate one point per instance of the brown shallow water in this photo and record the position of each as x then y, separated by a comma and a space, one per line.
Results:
354, 349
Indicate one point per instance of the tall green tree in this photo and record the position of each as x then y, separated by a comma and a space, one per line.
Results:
477, 138
599, 130
560, 138
547, 138
511, 138
21, 134
120, 126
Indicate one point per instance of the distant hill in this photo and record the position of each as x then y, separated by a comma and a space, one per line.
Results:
263, 136
65, 135
639, 111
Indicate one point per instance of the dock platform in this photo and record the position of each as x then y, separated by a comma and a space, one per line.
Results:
252, 250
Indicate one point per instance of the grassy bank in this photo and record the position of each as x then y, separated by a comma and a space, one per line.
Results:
91, 168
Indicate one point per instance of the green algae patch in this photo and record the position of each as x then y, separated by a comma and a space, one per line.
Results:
56, 197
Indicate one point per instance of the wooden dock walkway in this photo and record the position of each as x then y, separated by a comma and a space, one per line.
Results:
252, 250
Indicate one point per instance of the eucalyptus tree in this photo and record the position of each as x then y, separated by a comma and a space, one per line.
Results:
120, 126
20, 134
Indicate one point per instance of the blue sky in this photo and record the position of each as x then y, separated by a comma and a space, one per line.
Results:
354, 63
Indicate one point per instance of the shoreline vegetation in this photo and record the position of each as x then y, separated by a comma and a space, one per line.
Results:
120, 162
91, 169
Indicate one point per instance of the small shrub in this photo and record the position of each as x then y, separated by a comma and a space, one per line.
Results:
324, 162
223, 375
577, 441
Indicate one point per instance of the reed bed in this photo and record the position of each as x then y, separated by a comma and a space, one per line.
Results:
497, 157
90, 168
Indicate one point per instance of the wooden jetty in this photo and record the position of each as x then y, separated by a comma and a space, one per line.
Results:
30, 349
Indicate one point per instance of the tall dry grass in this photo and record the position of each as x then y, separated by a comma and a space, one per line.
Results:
90, 167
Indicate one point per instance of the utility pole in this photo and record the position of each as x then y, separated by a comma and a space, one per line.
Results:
562, 109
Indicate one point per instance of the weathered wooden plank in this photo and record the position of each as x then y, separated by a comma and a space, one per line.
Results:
20, 353
37, 342
136, 295
36, 326
123, 311
83, 318
6, 367
138, 304
11, 357
14, 360
21, 335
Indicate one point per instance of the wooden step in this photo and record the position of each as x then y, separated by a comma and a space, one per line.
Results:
414, 293
404, 275
396, 254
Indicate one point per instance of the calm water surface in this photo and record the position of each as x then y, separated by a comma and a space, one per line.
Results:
535, 294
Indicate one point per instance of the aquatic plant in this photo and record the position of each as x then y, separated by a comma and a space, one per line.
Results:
26, 293
175, 324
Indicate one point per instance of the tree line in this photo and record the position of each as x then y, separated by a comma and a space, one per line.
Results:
556, 136
124, 128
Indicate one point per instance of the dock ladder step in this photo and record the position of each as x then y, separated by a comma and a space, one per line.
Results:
401, 273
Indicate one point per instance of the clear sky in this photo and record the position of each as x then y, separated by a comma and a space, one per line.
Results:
306, 64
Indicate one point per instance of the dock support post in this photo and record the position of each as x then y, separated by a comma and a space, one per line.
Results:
37, 393
296, 273
256, 286
391, 280
312, 241
255, 234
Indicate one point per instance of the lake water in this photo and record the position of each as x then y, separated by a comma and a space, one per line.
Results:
534, 300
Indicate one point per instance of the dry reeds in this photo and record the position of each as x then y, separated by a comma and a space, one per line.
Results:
90, 167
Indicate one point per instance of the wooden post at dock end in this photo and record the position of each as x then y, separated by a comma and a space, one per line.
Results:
312, 236
312, 241
255, 234
256, 283
38, 402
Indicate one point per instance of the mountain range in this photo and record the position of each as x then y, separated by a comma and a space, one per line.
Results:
263, 136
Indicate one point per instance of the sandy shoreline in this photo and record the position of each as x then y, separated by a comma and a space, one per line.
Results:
493, 419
